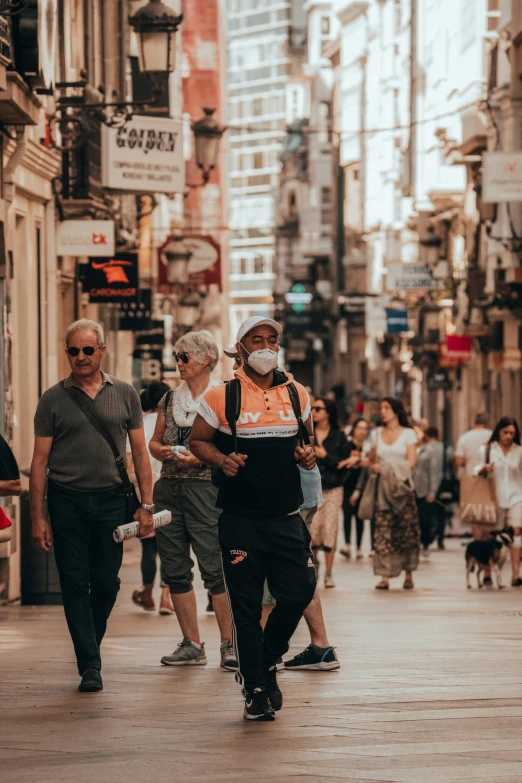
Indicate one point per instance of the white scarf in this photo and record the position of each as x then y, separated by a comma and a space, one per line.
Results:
184, 406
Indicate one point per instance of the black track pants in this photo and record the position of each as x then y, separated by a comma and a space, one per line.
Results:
255, 548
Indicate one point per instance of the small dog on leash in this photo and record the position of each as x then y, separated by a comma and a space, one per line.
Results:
491, 553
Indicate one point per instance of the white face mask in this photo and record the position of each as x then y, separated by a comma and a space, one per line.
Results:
263, 361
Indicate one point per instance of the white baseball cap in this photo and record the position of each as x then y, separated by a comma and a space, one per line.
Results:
257, 320
231, 351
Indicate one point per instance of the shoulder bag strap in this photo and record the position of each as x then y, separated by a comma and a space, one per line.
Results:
488, 453
98, 425
296, 405
233, 407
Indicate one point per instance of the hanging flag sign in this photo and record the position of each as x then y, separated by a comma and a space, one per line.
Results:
112, 279
501, 176
410, 277
396, 321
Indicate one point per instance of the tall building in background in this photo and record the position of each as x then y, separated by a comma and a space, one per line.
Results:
264, 42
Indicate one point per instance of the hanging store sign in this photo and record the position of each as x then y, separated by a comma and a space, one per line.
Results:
134, 316
501, 177
113, 279
410, 277
86, 238
145, 156
459, 348
193, 264
396, 321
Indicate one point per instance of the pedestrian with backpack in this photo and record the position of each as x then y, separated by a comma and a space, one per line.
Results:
255, 431
185, 489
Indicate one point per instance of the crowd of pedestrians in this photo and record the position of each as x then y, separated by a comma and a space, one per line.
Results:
257, 476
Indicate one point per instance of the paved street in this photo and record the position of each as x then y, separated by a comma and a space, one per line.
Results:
429, 690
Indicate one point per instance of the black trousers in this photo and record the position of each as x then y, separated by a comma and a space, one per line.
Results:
426, 521
149, 565
254, 549
88, 561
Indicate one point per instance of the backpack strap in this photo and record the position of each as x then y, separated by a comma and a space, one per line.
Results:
296, 405
233, 407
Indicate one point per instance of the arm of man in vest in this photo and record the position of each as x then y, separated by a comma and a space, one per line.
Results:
201, 445
41, 530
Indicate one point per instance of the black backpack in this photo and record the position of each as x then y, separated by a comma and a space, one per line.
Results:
233, 411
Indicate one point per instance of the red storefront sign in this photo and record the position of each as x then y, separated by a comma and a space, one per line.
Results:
456, 350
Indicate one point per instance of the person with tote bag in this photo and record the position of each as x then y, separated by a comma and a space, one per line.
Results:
503, 462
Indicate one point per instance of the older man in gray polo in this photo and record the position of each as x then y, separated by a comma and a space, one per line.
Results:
85, 492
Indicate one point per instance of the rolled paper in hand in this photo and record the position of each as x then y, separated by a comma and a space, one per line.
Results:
131, 529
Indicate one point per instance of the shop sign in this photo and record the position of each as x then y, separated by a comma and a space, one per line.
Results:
195, 269
396, 321
112, 279
439, 381
410, 277
85, 238
501, 177
134, 315
459, 348
145, 156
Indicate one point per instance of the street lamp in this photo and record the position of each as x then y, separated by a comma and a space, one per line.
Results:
207, 134
177, 255
155, 26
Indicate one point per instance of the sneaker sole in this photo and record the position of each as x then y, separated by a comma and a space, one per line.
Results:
265, 717
229, 668
166, 612
322, 667
198, 662
97, 689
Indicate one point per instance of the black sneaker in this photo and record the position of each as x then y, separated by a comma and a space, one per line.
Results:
257, 705
273, 690
91, 681
321, 658
488, 581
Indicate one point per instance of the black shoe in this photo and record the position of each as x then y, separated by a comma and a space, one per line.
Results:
273, 690
516, 583
91, 681
488, 581
257, 705
210, 607
320, 658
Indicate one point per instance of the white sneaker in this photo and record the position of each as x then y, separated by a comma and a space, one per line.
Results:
187, 653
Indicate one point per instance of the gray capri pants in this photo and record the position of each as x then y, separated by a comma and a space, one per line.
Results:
307, 514
192, 503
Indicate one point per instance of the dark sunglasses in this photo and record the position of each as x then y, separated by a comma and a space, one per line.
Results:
87, 351
317, 408
182, 357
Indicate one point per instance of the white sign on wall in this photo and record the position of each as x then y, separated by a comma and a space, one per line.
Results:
501, 177
410, 277
85, 238
145, 156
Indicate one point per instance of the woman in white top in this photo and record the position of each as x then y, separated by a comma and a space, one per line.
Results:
503, 458
397, 533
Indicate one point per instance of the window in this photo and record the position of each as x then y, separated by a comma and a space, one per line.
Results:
324, 122
326, 196
257, 107
243, 266
325, 25
259, 265
258, 160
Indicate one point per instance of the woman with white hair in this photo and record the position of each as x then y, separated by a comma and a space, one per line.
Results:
185, 489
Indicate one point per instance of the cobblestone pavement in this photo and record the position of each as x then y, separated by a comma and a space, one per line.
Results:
430, 690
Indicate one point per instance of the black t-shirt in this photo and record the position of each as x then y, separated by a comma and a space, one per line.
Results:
8, 466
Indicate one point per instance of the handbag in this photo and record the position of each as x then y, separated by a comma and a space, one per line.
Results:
6, 527
132, 502
368, 501
478, 499
449, 490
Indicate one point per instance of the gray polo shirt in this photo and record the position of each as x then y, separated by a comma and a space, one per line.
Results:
80, 458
